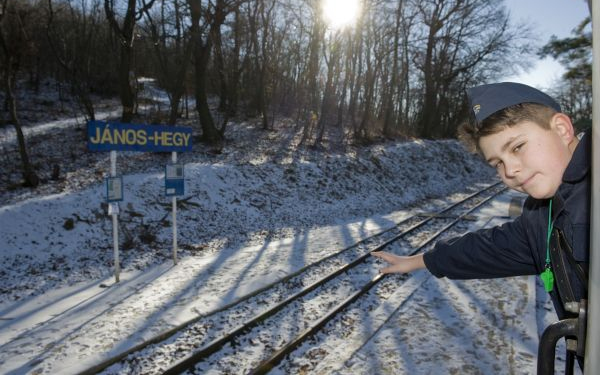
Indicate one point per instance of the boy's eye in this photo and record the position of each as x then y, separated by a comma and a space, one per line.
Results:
498, 165
518, 147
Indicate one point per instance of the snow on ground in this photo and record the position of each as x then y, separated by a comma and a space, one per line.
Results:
253, 212
459, 327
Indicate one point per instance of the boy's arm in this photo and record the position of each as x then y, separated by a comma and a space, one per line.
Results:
505, 250
400, 264
502, 251
471, 256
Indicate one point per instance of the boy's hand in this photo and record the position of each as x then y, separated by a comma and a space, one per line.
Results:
399, 264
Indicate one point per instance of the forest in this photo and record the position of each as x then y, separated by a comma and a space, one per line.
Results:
398, 70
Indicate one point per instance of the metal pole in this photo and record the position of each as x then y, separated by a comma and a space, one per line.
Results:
592, 359
174, 159
547, 348
113, 173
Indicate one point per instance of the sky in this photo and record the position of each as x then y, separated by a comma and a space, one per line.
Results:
547, 17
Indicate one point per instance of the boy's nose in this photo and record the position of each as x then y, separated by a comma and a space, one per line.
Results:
511, 169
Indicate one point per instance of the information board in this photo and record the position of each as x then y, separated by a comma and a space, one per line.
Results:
114, 189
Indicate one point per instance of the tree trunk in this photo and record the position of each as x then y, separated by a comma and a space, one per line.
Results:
266, 17
328, 94
357, 65
125, 37
433, 70
220, 66
29, 175
126, 79
429, 96
362, 133
181, 68
312, 79
79, 82
232, 93
202, 56
347, 79
388, 121
202, 50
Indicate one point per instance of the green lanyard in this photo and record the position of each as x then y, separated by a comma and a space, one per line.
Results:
547, 276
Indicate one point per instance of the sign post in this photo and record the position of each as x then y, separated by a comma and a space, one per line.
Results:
113, 210
113, 137
174, 186
174, 160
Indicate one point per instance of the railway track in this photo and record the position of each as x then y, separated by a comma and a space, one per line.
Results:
272, 322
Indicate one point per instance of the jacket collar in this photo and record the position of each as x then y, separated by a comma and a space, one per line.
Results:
576, 171
579, 165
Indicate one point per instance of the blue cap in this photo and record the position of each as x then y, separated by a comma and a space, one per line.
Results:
485, 100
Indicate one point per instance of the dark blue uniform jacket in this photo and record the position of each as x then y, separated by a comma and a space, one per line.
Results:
519, 247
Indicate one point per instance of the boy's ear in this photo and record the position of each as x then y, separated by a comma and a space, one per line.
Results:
562, 124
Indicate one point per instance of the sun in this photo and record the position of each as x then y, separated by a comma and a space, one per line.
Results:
340, 13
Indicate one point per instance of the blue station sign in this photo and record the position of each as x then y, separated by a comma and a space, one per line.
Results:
104, 136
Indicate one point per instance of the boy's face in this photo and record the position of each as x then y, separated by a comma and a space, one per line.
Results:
529, 158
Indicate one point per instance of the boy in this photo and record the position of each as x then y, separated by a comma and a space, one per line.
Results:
522, 133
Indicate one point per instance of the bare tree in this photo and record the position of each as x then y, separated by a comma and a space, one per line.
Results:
328, 102
435, 15
173, 49
126, 36
202, 46
204, 36
355, 74
235, 68
375, 53
391, 97
312, 73
263, 59
467, 41
71, 42
12, 38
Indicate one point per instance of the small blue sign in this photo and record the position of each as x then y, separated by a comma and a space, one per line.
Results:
174, 180
174, 188
104, 136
